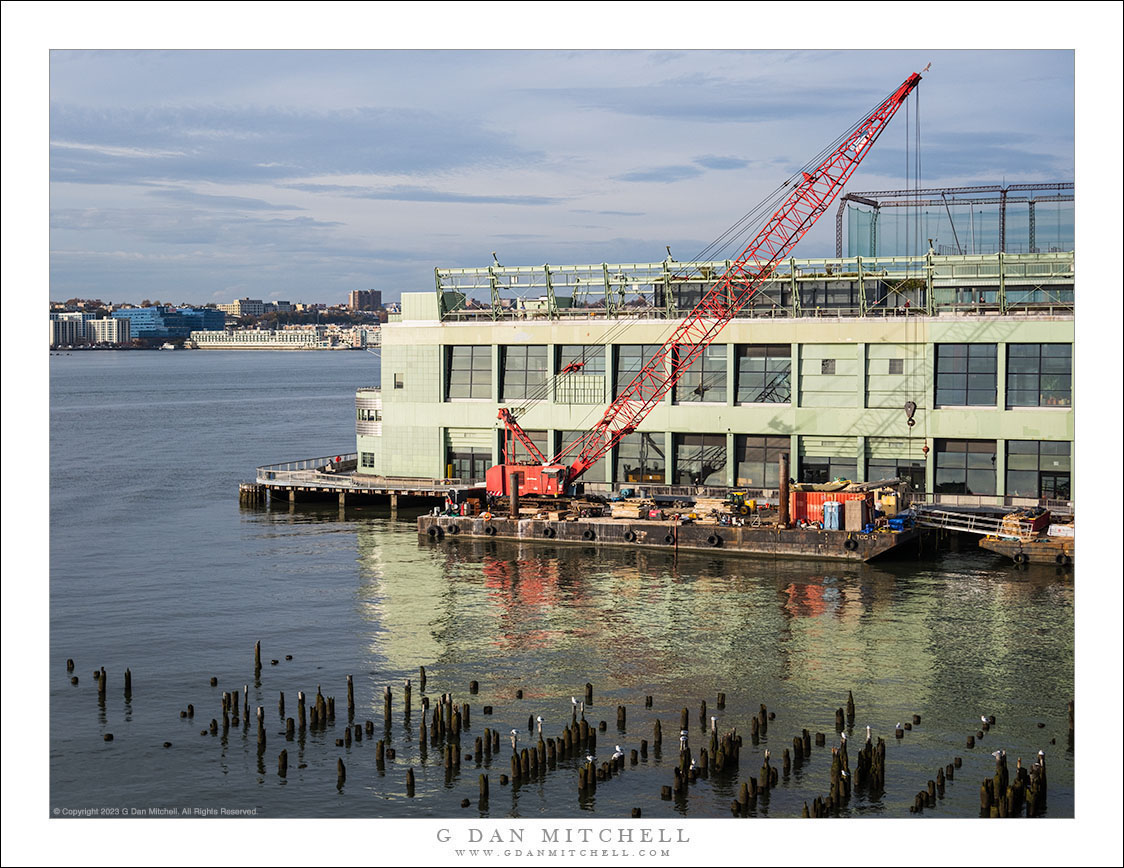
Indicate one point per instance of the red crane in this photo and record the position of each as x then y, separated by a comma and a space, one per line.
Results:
810, 197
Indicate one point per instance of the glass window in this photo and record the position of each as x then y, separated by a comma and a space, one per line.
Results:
640, 458
522, 454
965, 467
468, 372
878, 469
1039, 375
631, 359
818, 469
524, 372
765, 374
367, 459
596, 473
966, 375
700, 459
581, 374
757, 460
467, 462
704, 379
1038, 468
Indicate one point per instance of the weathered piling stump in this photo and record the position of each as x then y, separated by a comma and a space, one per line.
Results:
484, 789
839, 720
69, 664
971, 741
588, 693
281, 705
290, 728
764, 717
128, 682
657, 734
821, 739
916, 719
257, 657
350, 698
474, 688
283, 763
850, 708
721, 700
190, 710
101, 682
73, 679
341, 773
620, 717
107, 737
214, 681
647, 701
386, 702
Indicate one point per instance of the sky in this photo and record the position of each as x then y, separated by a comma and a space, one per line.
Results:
204, 176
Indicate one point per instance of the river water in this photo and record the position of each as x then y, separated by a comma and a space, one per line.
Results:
155, 567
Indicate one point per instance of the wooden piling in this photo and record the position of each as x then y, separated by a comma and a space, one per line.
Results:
657, 734
283, 763
386, 700
350, 698
257, 657
101, 682
620, 717
341, 773
684, 720
69, 664
128, 682
588, 693
850, 708
483, 789
301, 710
421, 678
474, 687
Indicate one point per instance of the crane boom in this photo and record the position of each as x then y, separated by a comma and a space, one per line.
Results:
810, 197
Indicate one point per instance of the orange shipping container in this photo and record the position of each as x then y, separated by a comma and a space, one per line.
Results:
808, 505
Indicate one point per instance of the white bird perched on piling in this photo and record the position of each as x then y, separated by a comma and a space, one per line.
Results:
618, 753
843, 737
868, 734
538, 720
999, 754
590, 758
682, 739
514, 738
713, 723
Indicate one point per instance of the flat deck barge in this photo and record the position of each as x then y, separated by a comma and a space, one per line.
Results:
772, 542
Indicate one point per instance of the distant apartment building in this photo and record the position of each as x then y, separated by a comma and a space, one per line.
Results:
244, 307
111, 330
364, 299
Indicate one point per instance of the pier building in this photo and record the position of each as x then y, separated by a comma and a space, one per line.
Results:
830, 362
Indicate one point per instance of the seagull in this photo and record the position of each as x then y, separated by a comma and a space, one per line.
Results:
713, 723
766, 754
590, 758
842, 773
694, 766
574, 701
514, 738
983, 718
999, 754
539, 721
619, 753
843, 737
868, 735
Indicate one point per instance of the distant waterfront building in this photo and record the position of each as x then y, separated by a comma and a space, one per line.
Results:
67, 332
310, 337
163, 322
110, 330
364, 299
819, 365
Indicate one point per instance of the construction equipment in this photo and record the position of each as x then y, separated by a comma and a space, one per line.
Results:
812, 191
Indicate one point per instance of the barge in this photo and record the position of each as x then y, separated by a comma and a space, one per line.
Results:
767, 541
